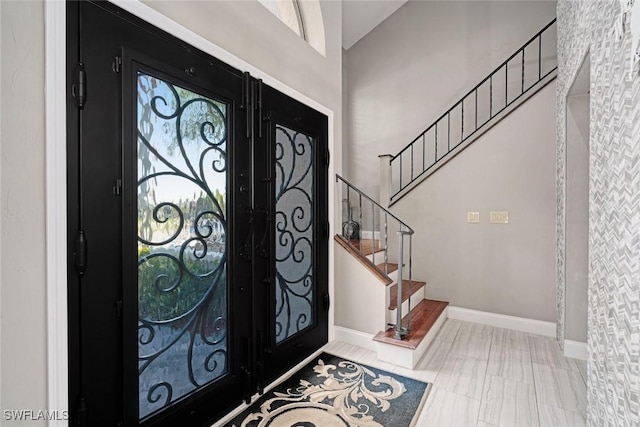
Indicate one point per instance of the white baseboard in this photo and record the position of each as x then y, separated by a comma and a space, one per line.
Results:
575, 349
522, 324
351, 336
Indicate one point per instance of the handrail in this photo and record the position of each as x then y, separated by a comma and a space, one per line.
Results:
474, 125
357, 190
355, 234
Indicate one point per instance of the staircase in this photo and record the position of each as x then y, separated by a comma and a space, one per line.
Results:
409, 320
518, 78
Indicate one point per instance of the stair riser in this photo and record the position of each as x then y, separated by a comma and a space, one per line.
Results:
416, 298
405, 357
378, 258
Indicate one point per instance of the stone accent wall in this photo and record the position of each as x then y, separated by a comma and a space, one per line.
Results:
614, 198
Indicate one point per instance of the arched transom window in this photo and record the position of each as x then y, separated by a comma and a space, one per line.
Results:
304, 17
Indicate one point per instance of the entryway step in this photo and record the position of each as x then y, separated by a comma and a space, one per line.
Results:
408, 288
424, 321
421, 319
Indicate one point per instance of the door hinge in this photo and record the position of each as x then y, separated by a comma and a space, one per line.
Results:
118, 309
245, 91
81, 252
247, 97
79, 87
117, 64
326, 229
327, 157
117, 188
259, 106
327, 302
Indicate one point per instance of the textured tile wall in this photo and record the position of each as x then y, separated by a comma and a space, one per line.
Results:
614, 215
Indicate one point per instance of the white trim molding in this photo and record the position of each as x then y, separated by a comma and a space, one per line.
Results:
522, 324
56, 208
575, 349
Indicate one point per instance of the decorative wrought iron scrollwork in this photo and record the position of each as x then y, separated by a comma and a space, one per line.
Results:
294, 232
182, 251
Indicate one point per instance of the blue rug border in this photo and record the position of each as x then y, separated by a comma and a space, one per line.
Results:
314, 360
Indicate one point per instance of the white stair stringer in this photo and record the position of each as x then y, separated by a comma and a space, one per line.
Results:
360, 297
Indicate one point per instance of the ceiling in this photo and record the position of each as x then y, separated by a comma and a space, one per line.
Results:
359, 17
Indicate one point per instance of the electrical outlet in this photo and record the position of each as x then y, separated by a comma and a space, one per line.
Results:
473, 217
499, 217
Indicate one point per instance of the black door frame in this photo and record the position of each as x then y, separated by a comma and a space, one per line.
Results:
74, 288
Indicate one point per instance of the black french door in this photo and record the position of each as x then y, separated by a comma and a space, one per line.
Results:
197, 227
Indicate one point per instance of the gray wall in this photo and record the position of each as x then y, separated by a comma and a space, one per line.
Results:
500, 268
246, 29
413, 66
22, 210
405, 74
613, 383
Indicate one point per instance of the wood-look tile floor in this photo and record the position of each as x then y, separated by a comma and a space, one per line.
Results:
491, 377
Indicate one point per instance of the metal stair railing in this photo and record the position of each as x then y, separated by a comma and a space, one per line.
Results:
375, 219
428, 150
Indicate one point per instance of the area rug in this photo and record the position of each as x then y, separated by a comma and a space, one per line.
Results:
331, 391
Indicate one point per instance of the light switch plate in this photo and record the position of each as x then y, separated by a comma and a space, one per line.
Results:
473, 217
499, 217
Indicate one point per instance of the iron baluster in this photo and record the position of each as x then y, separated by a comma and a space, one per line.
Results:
398, 333
386, 247
490, 97
448, 132
400, 178
423, 151
462, 121
476, 128
506, 83
373, 234
435, 144
410, 282
539, 56
360, 215
411, 162
522, 90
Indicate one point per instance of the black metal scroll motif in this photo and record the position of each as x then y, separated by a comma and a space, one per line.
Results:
294, 232
182, 251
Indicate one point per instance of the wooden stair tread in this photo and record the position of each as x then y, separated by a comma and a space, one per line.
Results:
423, 317
366, 262
408, 288
366, 246
391, 267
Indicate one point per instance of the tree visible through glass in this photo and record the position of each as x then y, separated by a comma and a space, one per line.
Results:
182, 246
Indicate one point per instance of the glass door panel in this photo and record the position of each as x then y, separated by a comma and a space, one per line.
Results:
182, 245
294, 232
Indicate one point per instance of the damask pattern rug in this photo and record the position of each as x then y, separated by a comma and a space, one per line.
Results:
331, 392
